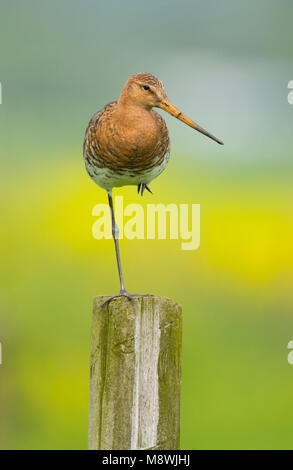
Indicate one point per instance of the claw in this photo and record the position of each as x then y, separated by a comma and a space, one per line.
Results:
141, 187
123, 294
120, 294
148, 189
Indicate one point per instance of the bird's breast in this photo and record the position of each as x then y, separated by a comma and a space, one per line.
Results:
135, 141
137, 135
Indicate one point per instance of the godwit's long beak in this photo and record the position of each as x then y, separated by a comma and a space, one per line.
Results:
167, 106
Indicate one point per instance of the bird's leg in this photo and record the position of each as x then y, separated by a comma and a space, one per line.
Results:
115, 234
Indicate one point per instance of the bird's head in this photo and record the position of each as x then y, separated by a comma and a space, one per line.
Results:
144, 89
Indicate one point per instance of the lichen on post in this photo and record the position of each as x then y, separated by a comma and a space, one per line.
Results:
135, 374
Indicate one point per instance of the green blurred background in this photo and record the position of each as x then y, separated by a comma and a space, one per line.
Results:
226, 65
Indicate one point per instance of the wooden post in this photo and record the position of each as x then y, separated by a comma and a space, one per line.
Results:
135, 374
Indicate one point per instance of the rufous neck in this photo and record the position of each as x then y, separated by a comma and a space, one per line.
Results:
125, 104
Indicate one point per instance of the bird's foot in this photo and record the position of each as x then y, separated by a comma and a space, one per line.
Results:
123, 293
141, 187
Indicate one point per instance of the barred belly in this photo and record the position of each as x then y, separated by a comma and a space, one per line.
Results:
107, 178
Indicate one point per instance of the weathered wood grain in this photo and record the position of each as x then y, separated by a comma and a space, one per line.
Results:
135, 374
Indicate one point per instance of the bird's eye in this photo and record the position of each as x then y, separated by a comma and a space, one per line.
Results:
146, 87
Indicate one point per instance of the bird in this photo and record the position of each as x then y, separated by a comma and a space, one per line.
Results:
127, 143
